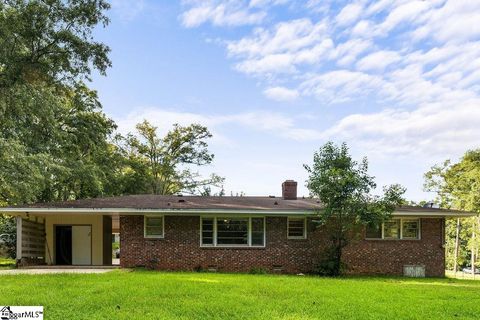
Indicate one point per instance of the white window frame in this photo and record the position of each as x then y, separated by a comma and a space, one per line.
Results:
401, 230
145, 217
249, 240
304, 228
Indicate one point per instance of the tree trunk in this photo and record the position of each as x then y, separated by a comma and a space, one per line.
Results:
338, 260
457, 235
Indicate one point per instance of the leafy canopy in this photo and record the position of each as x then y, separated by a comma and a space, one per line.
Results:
163, 165
344, 187
457, 186
53, 134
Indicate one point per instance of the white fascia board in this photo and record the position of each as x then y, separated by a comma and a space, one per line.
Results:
131, 211
447, 214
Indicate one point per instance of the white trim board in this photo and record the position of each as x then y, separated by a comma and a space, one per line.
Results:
285, 212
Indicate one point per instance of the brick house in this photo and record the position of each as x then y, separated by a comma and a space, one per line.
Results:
231, 234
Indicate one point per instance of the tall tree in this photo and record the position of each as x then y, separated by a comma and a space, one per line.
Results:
53, 134
344, 188
457, 186
163, 165
50, 40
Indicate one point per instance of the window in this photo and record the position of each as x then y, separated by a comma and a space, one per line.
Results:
374, 232
153, 227
258, 232
400, 228
232, 232
391, 229
296, 228
410, 229
207, 231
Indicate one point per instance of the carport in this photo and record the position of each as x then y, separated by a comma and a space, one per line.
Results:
65, 237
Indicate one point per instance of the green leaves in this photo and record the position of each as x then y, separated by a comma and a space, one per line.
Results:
163, 165
50, 40
53, 135
344, 187
458, 186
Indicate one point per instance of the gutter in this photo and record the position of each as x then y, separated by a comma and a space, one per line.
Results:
284, 212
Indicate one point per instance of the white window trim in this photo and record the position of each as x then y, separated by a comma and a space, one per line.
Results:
145, 227
304, 228
249, 240
401, 230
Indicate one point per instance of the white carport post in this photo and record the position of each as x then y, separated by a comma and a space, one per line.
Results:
19, 238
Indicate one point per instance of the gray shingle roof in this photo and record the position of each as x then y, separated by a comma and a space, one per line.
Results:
198, 202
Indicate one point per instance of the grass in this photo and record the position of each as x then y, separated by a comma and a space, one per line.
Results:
6, 263
157, 295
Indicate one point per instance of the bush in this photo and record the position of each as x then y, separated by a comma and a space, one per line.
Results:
258, 270
199, 269
8, 235
328, 264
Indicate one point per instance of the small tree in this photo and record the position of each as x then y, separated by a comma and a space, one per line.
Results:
344, 188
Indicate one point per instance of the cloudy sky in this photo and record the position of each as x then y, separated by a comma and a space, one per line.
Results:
399, 81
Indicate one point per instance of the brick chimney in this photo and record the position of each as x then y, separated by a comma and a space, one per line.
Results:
289, 190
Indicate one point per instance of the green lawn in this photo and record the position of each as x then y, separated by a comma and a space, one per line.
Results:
155, 295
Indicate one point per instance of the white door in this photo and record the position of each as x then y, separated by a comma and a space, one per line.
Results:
81, 245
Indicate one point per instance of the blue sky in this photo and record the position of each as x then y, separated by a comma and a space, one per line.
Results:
399, 81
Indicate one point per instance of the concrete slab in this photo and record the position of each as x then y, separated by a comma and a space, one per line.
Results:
52, 271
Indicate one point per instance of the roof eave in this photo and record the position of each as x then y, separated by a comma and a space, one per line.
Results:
280, 212
136, 211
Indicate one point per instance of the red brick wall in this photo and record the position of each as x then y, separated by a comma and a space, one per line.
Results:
180, 249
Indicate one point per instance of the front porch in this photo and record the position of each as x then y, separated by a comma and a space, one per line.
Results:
65, 241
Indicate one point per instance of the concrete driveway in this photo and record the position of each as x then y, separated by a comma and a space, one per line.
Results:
53, 271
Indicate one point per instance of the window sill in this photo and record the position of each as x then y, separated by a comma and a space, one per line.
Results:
153, 238
373, 239
231, 247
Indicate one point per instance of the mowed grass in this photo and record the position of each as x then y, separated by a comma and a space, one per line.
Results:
158, 295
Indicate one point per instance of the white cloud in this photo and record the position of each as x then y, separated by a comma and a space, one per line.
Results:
416, 61
223, 14
290, 36
281, 94
276, 124
432, 129
226, 12
340, 85
378, 60
456, 21
349, 14
406, 12
283, 48
347, 52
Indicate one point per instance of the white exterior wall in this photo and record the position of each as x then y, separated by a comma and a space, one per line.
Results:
97, 237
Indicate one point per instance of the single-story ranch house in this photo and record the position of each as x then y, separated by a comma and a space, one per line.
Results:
222, 234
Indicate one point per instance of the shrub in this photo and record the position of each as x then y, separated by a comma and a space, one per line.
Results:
258, 270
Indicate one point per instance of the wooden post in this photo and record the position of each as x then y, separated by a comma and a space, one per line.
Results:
457, 235
18, 256
472, 260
